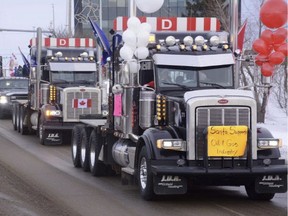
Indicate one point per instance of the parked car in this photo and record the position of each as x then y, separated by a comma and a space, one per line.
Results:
11, 89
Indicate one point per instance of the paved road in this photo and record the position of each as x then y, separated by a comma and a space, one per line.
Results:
41, 180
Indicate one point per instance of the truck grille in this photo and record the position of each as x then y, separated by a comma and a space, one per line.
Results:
72, 113
213, 116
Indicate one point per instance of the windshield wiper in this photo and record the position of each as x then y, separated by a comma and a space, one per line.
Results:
177, 84
213, 85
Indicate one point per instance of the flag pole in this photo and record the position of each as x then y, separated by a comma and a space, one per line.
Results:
99, 52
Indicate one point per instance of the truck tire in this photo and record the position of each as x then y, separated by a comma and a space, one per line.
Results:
145, 176
85, 149
76, 145
18, 118
253, 195
97, 167
41, 131
14, 116
23, 128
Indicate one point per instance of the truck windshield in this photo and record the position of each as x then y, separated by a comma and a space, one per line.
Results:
191, 77
73, 77
14, 84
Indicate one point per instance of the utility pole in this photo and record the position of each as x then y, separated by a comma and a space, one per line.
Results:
53, 18
69, 17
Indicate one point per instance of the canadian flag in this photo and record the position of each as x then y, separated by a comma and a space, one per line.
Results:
81, 103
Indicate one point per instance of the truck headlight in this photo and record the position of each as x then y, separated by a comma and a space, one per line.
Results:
266, 143
172, 144
54, 113
3, 100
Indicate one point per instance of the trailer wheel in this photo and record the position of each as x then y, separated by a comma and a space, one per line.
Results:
97, 167
145, 177
23, 128
85, 149
253, 195
14, 114
76, 145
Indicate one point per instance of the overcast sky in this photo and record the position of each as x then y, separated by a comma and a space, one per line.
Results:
27, 15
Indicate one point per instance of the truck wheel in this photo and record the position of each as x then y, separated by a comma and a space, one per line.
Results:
23, 128
18, 118
76, 145
14, 114
145, 178
85, 149
41, 131
253, 195
97, 167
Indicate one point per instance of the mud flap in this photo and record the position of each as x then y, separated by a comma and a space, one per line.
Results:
271, 184
52, 137
170, 184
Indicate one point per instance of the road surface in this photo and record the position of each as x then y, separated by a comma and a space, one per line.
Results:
41, 180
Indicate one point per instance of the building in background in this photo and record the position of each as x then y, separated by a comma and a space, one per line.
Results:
114, 8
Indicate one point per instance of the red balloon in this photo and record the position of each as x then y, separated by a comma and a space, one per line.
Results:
260, 59
283, 49
276, 46
267, 69
276, 58
273, 13
266, 35
260, 46
279, 36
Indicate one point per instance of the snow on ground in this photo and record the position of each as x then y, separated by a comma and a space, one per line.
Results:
277, 123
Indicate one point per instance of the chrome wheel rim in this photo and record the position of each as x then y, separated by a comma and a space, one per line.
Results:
143, 173
74, 149
83, 151
92, 155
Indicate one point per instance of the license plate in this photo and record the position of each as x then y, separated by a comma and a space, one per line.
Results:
227, 141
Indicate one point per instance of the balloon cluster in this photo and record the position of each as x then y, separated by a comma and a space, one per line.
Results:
136, 39
271, 46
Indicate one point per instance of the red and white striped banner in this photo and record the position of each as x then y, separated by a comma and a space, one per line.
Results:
64, 42
178, 24
81, 103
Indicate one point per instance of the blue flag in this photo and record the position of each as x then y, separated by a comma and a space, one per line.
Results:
102, 40
25, 60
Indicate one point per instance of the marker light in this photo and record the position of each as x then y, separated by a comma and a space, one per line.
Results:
214, 40
59, 54
199, 40
170, 40
188, 41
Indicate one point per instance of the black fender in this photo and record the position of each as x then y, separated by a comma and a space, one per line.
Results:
149, 139
267, 153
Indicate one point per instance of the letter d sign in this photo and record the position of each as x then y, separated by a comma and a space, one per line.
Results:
62, 42
166, 24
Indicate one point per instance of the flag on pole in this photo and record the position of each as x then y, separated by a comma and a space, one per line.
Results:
241, 36
102, 40
25, 60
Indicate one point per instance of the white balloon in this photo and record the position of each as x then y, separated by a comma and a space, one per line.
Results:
126, 52
134, 66
129, 37
141, 52
133, 24
146, 26
149, 6
142, 38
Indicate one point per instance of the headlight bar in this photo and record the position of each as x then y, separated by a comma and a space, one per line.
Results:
267, 143
172, 144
